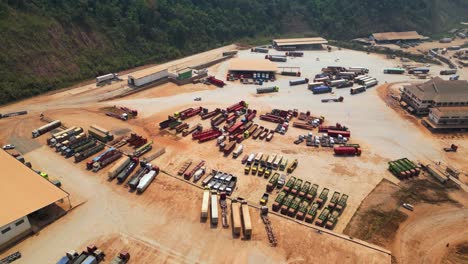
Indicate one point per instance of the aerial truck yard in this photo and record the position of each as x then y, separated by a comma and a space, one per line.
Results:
260, 152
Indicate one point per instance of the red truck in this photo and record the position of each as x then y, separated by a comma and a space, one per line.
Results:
211, 114
210, 136
215, 81
235, 127
251, 115
190, 113
236, 107
200, 134
338, 127
272, 118
347, 150
229, 147
335, 133
189, 174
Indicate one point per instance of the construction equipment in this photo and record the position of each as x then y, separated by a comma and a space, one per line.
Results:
341, 204
312, 213
289, 184
278, 201
184, 167
292, 166
332, 220
268, 227
452, 148
223, 204
323, 197
334, 200
322, 218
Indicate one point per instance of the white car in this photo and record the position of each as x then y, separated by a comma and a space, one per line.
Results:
9, 146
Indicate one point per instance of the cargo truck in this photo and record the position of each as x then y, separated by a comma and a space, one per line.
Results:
322, 218
87, 153
205, 203
370, 83
135, 179
236, 217
146, 180
122, 258
272, 89
394, 71
118, 167
356, 90
312, 192
272, 182
292, 210
281, 181
418, 70
292, 166
312, 213
238, 151
103, 79
341, 204
260, 50
283, 164
123, 175
321, 89
298, 81
246, 220
334, 200
286, 203
332, 220
323, 197
278, 201
296, 187
46, 128
214, 207
106, 161
448, 72
302, 211
305, 189
347, 150
110, 151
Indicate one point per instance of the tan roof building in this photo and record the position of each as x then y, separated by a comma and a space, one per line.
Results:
299, 41
395, 36
441, 91
23, 191
252, 65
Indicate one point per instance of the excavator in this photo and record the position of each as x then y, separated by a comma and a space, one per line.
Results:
452, 148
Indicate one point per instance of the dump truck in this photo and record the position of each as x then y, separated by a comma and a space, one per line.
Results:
272, 182
332, 220
312, 192
305, 189
205, 203
312, 213
214, 207
302, 211
278, 201
290, 184
236, 217
322, 218
118, 167
341, 204
296, 187
292, 166
272, 89
146, 180
286, 203
292, 210
246, 219
87, 153
46, 128
123, 175
323, 197
334, 200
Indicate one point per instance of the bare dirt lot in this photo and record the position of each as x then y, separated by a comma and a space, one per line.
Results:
164, 221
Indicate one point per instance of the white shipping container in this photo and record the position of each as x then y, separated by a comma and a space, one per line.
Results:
250, 158
214, 208
205, 202
238, 151
148, 78
146, 181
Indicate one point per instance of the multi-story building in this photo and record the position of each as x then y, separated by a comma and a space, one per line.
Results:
449, 117
435, 93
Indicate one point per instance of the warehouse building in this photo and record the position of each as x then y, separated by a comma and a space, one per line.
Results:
249, 67
299, 43
147, 76
447, 118
22, 192
393, 37
419, 98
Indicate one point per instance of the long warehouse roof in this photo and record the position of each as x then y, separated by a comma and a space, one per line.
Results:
252, 65
148, 71
406, 35
23, 191
300, 41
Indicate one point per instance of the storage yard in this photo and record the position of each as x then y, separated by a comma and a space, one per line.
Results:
196, 162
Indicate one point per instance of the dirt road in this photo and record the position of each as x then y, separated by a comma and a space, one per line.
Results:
425, 239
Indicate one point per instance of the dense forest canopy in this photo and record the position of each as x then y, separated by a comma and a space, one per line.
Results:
48, 44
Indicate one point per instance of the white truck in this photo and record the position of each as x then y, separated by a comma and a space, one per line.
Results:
205, 203
214, 207
146, 181
238, 151
103, 79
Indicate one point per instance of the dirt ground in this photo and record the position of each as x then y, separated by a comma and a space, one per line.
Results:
164, 221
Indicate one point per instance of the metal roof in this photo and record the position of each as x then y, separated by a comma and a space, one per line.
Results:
406, 35
451, 111
252, 65
23, 191
148, 71
441, 91
300, 41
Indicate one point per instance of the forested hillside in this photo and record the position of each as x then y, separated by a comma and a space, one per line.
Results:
48, 44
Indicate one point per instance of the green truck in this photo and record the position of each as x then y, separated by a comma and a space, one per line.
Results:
305, 189
323, 197
332, 219
334, 200
292, 210
322, 218
289, 184
278, 201
312, 213
286, 203
272, 182
297, 186
341, 204
312, 192
302, 211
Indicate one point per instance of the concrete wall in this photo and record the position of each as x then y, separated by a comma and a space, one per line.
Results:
14, 230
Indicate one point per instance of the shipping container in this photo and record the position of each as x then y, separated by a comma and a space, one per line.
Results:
147, 79
246, 220
236, 217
